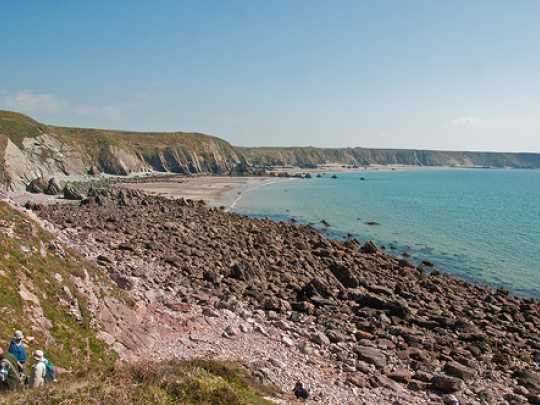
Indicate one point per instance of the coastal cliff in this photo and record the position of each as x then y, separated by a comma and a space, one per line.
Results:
310, 157
29, 149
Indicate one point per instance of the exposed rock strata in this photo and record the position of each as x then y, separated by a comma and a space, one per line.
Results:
30, 150
311, 157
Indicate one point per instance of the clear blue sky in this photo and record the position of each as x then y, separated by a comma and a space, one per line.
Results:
423, 74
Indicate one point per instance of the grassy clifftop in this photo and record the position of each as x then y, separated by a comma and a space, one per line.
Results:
16, 126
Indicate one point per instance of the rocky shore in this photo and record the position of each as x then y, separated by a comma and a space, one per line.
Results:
351, 322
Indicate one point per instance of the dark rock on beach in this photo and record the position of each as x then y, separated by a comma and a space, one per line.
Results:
53, 187
38, 185
70, 193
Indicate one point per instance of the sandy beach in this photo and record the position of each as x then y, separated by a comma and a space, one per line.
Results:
215, 190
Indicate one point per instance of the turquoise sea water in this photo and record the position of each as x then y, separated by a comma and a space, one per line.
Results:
481, 225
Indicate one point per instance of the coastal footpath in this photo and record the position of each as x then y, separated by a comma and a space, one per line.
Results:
352, 323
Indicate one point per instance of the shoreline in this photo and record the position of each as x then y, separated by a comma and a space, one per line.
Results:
227, 192
216, 191
375, 325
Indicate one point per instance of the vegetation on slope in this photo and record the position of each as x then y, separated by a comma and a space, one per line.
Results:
18, 126
34, 298
174, 382
101, 137
35, 275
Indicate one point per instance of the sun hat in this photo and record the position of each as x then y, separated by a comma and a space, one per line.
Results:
38, 355
18, 335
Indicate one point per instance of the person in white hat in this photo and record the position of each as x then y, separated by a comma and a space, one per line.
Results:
17, 349
39, 370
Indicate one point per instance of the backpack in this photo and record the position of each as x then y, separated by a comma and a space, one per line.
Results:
50, 371
5, 368
9, 375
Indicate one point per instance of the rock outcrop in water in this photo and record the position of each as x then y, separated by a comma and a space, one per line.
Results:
382, 324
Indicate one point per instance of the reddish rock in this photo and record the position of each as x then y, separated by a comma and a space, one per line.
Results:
446, 384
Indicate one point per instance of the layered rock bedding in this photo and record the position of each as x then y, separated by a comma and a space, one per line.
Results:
352, 323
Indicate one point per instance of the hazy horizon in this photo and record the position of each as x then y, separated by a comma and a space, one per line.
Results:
421, 75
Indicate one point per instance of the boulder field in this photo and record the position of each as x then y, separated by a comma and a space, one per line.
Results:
379, 322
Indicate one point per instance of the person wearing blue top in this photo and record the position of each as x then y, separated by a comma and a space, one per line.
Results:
16, 348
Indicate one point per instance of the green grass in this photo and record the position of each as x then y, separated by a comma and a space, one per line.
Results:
196, 382
75, 344
18, 126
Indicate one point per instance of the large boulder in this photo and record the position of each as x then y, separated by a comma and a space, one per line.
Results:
446, 384
528, 379
53, 187
456, 369
369, 248
396, 307
70, 193
38, 185
345, 275
243, 271
371, 355
316, 287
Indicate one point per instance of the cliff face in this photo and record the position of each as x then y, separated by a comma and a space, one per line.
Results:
306, 157
29, 149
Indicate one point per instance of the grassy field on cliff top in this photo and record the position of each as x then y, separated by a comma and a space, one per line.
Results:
18, 126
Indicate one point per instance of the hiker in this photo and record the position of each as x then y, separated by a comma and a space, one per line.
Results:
300, 392
10, 378
43, 371
39, 370
17, 349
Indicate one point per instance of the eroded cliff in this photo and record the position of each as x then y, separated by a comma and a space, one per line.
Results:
309, 156
29, 149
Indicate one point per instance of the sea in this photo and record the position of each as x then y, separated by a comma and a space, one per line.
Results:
482, 225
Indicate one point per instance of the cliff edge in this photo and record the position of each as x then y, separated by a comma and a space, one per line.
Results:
29, 149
